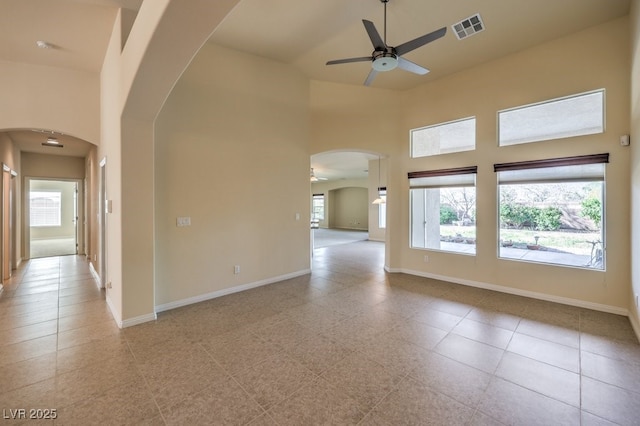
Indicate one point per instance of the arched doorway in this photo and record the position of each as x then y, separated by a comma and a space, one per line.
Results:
344, 186
44, 157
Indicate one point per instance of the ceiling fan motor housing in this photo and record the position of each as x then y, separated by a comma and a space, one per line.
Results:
384, 60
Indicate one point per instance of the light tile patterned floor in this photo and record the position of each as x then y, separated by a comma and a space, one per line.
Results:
348, 344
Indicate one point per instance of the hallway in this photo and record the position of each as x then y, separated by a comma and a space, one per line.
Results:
348, 344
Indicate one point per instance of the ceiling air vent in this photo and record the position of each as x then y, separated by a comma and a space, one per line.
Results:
468, 27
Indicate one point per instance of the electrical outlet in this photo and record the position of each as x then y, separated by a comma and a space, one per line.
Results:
426, 258
236, 269
637, 302
183, 221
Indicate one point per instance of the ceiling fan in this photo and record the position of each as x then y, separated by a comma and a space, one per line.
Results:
385, 57
314, 178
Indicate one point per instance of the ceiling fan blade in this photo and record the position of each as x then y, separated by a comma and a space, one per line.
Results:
349, 60
376, 40
411, 67
420, 41
370, 77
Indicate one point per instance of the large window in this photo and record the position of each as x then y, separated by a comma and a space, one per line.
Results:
559, 118
454, 136
443, 210
318, 207
45, 208
551, 211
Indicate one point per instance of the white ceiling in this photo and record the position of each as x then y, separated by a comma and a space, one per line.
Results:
78, 31
31, 141
341, 165
307, 34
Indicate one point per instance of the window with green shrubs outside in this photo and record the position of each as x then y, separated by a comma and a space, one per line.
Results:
551, 211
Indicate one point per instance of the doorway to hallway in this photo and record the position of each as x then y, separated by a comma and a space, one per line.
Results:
52, 215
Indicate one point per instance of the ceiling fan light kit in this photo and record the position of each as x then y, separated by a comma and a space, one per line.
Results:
384, 61
386, 58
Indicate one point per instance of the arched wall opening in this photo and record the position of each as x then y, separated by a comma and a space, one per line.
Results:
43, 154
347, 183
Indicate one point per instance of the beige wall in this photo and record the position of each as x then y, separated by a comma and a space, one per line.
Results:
635, 166
27, 94
52, 166
108, 156
231, 153
349, 208
592, 59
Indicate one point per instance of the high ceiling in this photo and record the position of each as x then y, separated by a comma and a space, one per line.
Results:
307, 34
77, 30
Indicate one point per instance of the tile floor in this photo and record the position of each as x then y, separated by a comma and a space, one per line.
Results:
348, 344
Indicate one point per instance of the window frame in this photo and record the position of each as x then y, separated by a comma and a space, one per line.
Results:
447, 179
437, 125
564, 162
573, 133
33, 212
315, 197
382, 208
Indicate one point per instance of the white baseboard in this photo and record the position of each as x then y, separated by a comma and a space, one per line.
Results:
131, 321
226, 291
518, 292
95, 276
114, 312
139, 320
